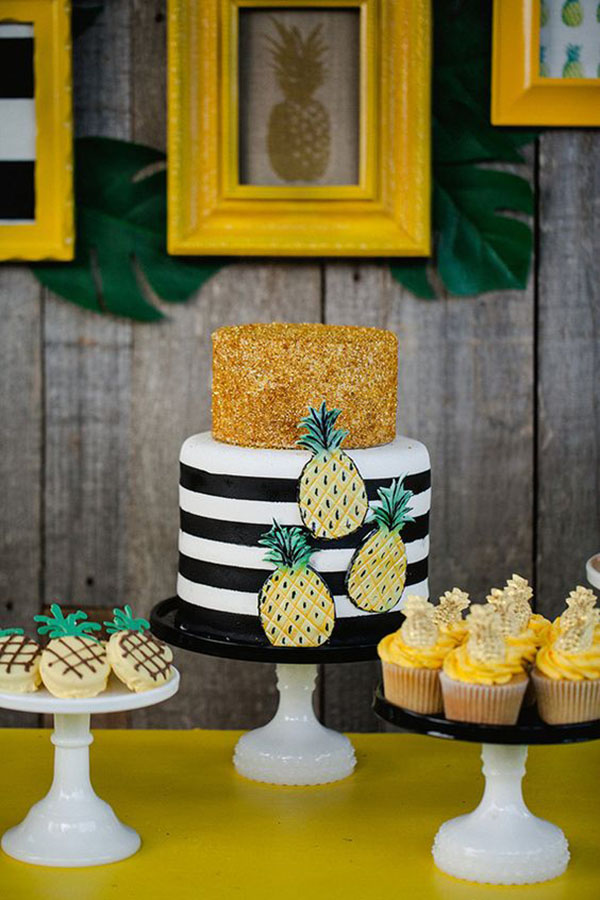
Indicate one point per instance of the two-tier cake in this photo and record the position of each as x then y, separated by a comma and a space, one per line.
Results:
304, 516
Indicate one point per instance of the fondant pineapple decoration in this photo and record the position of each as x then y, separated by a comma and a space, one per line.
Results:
295, 605
299, 131
74, 662
572, 13
332, 496
572, 67
138, 659
377, 572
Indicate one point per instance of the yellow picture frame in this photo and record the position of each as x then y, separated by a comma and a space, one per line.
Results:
520, 96
51, 233
387, 213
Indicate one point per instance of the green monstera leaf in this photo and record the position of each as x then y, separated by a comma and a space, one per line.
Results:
120, 202
478, 245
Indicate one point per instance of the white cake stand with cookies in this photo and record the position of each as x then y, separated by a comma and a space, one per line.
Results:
71, 826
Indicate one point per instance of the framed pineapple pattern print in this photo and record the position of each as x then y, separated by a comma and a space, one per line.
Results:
546, 62
299, 127
36, 167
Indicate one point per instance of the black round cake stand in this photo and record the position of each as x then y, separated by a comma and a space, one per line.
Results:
172, 621
501, 841
529, 728
293, 748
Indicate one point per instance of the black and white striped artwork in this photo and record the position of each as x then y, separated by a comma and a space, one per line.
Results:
17, 123
229, 497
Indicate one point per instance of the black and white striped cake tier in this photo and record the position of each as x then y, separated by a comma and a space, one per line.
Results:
229, 497
17, 123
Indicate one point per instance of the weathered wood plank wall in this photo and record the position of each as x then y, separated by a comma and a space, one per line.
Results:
503, 389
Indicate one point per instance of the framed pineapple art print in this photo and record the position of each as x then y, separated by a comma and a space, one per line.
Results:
299, 127
546, 62
36, 164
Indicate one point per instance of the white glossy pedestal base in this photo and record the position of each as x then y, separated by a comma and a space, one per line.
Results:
501, 842
72, 826
294, 748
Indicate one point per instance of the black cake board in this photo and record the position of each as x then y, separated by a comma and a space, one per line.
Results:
529, 729
202, 631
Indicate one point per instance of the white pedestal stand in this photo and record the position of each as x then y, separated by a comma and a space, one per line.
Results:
501, 842
294, 748
71, 826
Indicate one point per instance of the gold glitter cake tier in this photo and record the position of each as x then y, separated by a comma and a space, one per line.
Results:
266, 376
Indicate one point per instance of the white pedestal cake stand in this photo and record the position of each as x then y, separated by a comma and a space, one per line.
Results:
71, 826
293, 748
500, 842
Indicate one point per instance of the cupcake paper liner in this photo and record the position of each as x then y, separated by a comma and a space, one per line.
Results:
415, 689
561, 702
485, 704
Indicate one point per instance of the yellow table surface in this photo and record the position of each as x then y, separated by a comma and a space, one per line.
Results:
209, 833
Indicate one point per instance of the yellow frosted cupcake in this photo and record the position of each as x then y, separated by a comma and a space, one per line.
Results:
483, 680
412, 658
448, 614
567, 672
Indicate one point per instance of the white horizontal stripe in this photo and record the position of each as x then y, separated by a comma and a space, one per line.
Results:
225, 509
246, 604
15, 30
402, 456
17, 134
334, 560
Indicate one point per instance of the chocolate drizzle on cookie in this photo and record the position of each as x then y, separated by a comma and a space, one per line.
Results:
77, 654
18, 650
147, 652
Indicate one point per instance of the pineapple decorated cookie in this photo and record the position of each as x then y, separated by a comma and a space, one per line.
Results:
19, 662
572, 67
138, 659
332, 494
74, 662
298, 140
377, 571
295, 605
572, 13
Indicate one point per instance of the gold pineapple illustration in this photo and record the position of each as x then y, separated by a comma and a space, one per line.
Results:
332, 495
295, 605
377, 572
572, 13
572, 67
298, 138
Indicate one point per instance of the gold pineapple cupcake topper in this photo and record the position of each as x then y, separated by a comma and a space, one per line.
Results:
520, 587
419, 628
74, 662
295, 605
578, 636
579, 602
377, 571
138, 659
298, 139
332, 496
485, 642
450, 607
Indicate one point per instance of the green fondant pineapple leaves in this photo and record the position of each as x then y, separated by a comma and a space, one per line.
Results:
58, 625
124, 621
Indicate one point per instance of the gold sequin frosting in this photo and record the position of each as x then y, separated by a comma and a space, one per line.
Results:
266, 376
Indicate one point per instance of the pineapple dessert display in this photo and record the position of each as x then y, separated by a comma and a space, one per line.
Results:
74, 661
304, 516
137, 658
19, 662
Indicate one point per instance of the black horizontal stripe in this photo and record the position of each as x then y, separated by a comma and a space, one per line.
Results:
249, 533
16, 67
234, 578
17, 189
277, 490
